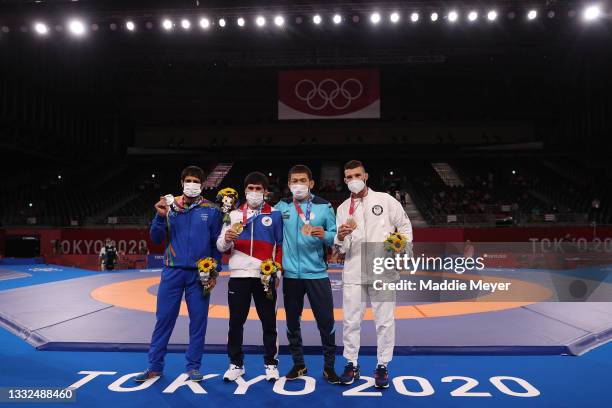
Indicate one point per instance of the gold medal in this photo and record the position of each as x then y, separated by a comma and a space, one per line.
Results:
307, 229
237, 227
351, 223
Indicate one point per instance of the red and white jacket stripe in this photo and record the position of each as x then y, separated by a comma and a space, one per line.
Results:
261, 239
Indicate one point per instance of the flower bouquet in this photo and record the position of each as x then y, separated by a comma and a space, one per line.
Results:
395, 242
207, 269
268, 272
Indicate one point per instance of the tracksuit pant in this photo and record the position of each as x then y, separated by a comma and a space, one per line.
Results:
321, 301
239, 294
175, 282
354, 302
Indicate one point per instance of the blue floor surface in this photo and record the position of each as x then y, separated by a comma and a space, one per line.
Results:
547, 381
560, 381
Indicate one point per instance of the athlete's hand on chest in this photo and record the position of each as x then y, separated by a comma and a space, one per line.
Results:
230, 235
318, 232
343, 231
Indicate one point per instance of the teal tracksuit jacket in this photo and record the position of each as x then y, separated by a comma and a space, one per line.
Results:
304, 257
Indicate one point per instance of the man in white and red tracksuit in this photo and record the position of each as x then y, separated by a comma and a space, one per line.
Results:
367, 216
259, 238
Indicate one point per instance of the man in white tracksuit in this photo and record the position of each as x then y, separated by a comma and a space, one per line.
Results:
367, 216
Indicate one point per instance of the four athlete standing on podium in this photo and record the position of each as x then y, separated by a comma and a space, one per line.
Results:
297, 233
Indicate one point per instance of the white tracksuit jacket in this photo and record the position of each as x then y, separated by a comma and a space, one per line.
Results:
377, 215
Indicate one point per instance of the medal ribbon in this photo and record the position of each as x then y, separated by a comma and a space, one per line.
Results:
179, 205
305, 217
352, 207
245, 209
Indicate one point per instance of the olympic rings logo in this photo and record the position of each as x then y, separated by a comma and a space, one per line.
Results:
328, 96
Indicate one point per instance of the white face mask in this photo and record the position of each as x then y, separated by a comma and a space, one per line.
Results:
299, 191
192, 190
355, 186
254, 198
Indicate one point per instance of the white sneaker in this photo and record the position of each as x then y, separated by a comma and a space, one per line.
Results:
233, 372
271, 372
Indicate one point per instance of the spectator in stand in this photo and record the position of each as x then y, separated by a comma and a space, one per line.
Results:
515, 212
595, 210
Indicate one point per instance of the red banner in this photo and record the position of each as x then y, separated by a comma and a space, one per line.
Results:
329, 94
535, 234
90, 241
132, 241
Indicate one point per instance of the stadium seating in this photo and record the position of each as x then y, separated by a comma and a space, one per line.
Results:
493, 190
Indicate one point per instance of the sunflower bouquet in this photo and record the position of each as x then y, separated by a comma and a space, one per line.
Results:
268, 270
395, 242
207, 269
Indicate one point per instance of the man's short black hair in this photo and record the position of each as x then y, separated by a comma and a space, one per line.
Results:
256, 177
300, 168
353, 164
193, 171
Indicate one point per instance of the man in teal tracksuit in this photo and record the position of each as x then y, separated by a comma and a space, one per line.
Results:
309, 227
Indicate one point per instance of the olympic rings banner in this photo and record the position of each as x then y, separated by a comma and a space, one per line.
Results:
329, 94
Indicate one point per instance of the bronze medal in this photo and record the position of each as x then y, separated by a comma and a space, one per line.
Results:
351, 223
307, 229
237, 227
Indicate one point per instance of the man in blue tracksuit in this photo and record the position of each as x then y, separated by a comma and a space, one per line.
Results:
309, 227
190, 226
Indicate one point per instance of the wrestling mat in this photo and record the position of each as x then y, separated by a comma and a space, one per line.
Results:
60, 308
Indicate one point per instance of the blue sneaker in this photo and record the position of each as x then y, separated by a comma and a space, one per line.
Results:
195, 375
381, 377
350, 374
147, 375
